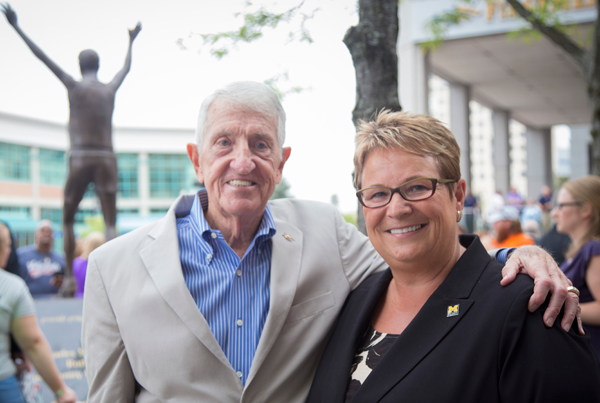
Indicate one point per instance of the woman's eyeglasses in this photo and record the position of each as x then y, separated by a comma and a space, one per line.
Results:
414, 190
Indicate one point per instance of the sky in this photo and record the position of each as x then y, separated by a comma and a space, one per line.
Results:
172, 72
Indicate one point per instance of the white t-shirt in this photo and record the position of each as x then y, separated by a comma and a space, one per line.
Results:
15, 302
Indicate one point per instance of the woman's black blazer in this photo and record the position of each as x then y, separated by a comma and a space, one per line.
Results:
493, 350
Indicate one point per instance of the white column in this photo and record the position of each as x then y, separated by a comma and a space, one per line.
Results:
580, 152
34, 171
144, 184
413, 78
500, 154
460, 126
539, 160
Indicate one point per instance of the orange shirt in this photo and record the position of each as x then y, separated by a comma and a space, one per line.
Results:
513, 241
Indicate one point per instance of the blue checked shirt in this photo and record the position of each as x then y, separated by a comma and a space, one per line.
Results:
233, 294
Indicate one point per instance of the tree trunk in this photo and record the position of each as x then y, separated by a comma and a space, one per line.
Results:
593, 81
372, 44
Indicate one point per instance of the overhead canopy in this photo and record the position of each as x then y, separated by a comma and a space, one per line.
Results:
537, 82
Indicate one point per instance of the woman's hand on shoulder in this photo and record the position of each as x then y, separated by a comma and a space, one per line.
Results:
547, 277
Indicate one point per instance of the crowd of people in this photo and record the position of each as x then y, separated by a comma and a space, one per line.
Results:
511, 220
567, 225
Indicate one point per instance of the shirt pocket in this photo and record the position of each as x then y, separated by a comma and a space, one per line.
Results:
310, 307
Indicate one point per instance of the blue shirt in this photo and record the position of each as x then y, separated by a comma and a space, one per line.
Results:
37, 269
232, 294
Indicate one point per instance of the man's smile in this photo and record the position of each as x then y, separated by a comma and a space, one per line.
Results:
240, 183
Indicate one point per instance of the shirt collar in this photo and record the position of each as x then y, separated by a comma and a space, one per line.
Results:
266, 229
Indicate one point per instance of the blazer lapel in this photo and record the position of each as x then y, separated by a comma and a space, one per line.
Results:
443, 310
286, 261
161, 258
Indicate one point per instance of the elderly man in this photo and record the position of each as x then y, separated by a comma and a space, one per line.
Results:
228, 298
41, 267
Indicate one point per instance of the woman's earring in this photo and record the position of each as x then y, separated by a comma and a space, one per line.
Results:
459, 214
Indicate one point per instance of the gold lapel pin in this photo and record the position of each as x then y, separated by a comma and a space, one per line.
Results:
288, 237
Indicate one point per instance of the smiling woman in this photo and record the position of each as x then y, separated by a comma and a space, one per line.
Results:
414, 332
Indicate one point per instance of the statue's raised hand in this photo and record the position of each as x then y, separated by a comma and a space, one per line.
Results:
135, 31
11, 16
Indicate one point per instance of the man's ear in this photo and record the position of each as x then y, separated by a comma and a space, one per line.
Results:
285, 155
194, 156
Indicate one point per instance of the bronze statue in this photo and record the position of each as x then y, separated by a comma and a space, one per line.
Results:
91, 157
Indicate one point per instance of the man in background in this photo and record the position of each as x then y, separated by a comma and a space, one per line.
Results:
507, 229
41, 267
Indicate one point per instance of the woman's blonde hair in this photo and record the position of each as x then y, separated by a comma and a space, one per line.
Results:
92, 241
586, 190
417, 134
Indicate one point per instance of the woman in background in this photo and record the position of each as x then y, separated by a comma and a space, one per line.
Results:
92, 241
17, 316
577, 214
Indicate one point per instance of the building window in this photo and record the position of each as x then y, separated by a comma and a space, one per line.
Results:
169, 175
14, 162
82, 214
16, 209
53, 167
128, 175
52, 214
128, 211
159, 211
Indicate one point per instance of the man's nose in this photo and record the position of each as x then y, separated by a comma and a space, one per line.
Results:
242, 160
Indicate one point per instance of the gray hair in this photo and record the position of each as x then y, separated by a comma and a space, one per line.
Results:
245, 96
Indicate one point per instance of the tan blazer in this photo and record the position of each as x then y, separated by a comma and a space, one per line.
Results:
145, 340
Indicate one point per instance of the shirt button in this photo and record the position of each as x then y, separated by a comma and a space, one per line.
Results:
213, 235
238, 272
208, 256
239, 374
240, 322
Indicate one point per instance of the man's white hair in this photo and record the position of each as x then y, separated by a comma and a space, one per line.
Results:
247, 96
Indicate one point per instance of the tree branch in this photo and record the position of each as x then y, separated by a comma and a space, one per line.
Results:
567, 44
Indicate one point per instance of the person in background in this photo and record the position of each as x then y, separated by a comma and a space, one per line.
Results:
17, 317
513, 198
556, 245
545, 203
577, 214
91, 242
39, 265
507, 229
531, 211
471, 208
532, 229
12, 266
